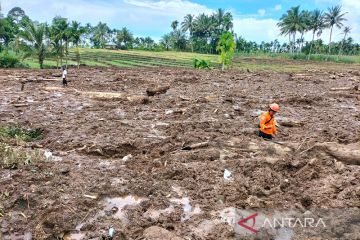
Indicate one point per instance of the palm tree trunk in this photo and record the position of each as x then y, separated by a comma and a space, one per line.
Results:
329, 42
312, 42
341, 46
290, 43
293, 45
61, 53
301, 42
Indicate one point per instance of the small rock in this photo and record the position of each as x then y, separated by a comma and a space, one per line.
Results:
64, 170
253, 201
127, 157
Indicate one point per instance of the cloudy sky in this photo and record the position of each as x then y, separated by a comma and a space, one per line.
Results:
253, 19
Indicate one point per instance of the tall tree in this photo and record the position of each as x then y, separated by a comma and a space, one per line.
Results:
76, 31
345, 32
290, 23
124, 38
174, 25
316, 25
60, 36
166, 41
100, 35
334, 17
33, 38
16, 14
188, 25
304, 26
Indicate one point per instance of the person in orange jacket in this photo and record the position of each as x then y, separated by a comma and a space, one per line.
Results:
267, 127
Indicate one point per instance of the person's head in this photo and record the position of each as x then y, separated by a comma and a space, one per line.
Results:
273, 109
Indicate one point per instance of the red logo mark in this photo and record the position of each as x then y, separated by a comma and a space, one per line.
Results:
244, 220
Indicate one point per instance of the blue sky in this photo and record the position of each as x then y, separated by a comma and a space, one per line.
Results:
253, 19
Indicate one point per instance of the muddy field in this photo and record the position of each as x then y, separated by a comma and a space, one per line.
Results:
184, 163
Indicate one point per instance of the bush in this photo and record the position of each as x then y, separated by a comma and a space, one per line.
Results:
14, 158
8, 60
201, 64
27, 135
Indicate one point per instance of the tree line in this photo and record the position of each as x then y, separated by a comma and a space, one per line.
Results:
201, 33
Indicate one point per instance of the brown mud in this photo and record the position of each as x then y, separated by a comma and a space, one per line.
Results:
123, 159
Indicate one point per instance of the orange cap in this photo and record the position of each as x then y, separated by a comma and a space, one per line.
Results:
274, 107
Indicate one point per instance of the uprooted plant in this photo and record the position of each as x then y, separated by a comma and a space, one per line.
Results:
11, 157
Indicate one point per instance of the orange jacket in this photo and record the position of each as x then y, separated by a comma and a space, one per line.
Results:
267, 124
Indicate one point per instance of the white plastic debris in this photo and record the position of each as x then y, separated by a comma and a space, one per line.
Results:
227, 175
48, 154
169, 111
127, 157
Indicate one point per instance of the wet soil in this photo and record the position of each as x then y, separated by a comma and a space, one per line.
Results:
118, 162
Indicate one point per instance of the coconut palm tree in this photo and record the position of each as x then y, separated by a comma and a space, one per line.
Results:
334, 17
304, 26
174, 25
33, 43
316, 25
290, 23
346, 31
188, 25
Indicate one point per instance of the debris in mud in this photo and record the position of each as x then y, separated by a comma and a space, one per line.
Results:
348, 154
227, 175
158, 233
188, 210
99, 127
196, 145
157, 90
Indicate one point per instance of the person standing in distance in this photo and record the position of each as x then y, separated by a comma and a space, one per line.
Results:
64, 76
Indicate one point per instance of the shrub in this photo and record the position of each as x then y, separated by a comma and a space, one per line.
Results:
8, 60
201, 64
14, 158
27, 135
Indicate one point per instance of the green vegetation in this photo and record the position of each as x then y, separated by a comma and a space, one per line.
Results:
15, 131
11, 157
226, 47
68, 42
9, 60
201, 64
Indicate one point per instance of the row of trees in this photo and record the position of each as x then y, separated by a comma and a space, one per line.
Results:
345, 46
295, 22
31, 38
198, 33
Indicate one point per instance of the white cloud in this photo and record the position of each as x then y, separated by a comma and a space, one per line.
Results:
261, 12
258, 29
174, 8
277, 7
153, 17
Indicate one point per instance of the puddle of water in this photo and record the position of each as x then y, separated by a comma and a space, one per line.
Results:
56, 95
30, 99
155, 214
117, 204
189, 211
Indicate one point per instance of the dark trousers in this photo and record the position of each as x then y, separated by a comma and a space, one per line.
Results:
265, 135
64, 82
